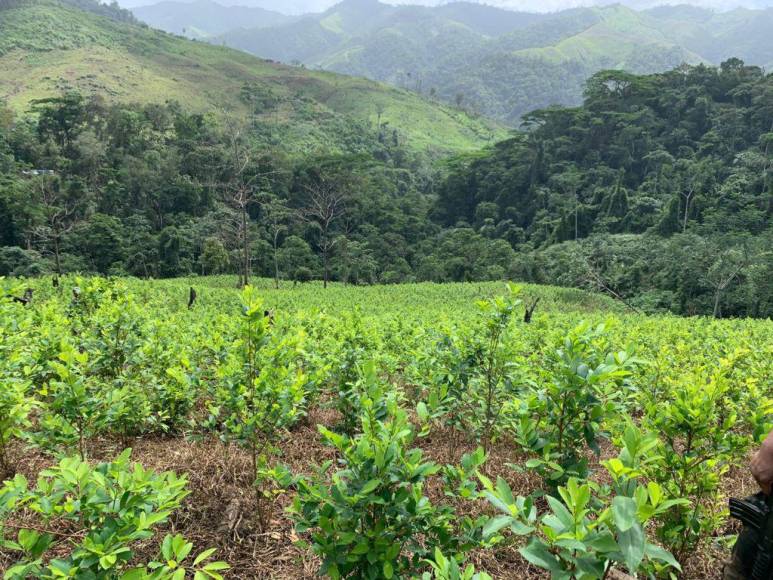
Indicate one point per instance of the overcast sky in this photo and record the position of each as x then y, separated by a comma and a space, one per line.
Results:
302, 6
552, 5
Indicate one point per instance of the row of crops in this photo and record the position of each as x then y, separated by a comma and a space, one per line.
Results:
463, 442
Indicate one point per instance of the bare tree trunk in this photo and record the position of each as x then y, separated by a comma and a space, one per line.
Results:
246, 248
276, 262
686, 214
717, 299
56, 256
687, 199
576, 216
326, 205
324, 261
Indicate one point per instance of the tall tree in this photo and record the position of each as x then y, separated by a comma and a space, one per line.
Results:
59, 213
275, 216
326, 204
245, 180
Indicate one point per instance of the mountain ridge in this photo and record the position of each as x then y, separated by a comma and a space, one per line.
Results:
527, 61
48, 47
204, 18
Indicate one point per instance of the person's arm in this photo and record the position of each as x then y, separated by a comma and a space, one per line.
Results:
762, 465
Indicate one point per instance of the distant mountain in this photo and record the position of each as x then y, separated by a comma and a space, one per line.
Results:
205, 18
741, 33
503, 63
288, 7
48, 47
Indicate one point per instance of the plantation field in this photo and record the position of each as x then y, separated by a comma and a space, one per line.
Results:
368, 432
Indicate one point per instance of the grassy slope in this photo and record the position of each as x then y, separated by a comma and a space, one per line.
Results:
47, 47
619, 33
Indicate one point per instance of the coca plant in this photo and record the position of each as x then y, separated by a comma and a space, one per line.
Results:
108, 509
371, 518
263, 393
478, 376
567, 414
15, 408
588, 528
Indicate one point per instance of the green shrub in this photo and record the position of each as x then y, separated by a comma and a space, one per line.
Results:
15, 408
372, 519
567, 415
589, 528
264, 393
107, 509
697, 422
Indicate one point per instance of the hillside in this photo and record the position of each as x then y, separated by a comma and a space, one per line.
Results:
658, 189
47, 47
503, 63
204, 18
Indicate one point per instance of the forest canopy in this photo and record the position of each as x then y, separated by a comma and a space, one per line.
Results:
657, 191
659, 188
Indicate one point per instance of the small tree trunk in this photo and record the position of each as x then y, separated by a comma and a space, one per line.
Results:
276, 264
687, 199
717, 301
576, 217
324, 262
56, 256
246, 248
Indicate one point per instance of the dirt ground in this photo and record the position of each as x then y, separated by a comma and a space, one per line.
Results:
218, 511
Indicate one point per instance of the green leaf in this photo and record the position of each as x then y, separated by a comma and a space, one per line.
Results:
495, 524
624, 510
108, 561
370, 486
27, 539
537, 553
388, 570
203, 556
360, 549
632, 545
559, 509
134, 574
215, 566
655, 552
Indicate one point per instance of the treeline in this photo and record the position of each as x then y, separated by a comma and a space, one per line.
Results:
157, 191
658, 190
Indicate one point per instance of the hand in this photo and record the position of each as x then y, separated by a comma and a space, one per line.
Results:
762, 465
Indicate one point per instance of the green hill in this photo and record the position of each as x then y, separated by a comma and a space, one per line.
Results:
203, 18
503, 63
47, 47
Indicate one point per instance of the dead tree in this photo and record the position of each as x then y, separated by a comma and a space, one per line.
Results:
60, 213
239, 191
275, 215
724, 272
530, 311
25, 300
327, 203
595, 279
